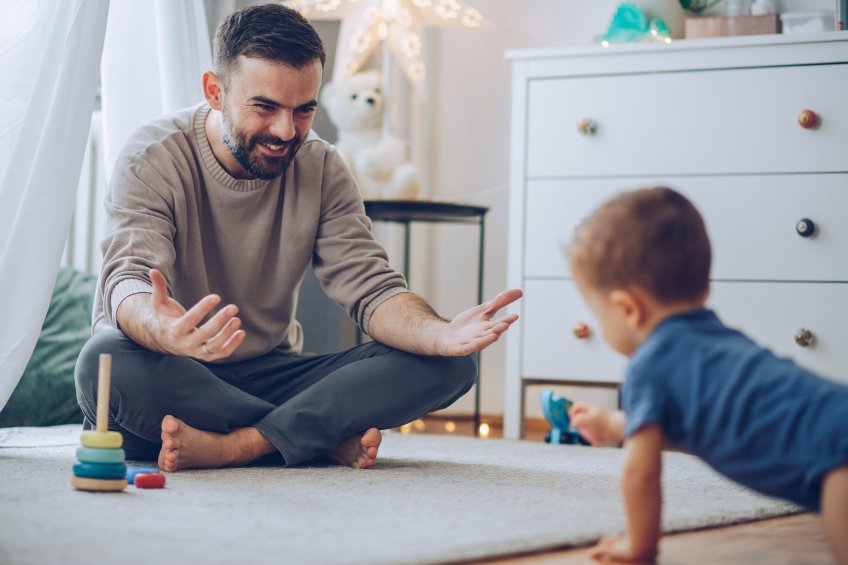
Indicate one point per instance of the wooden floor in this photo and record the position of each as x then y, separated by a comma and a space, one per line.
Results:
790, 540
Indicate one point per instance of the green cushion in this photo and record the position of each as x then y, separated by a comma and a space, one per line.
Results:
45, 395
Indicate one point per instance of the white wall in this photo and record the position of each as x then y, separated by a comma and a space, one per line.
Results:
470, 141
470, 153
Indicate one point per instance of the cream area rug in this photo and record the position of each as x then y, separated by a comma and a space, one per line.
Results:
431, 499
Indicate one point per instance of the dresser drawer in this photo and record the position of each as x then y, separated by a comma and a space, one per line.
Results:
751, 221
771, 313
550, 349
721, 121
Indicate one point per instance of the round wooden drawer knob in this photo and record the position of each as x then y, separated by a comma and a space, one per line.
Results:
807, 119
804, 337
805, 227
587, 127
581, 330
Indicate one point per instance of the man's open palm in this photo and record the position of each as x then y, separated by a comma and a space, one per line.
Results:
475, 329
180, 331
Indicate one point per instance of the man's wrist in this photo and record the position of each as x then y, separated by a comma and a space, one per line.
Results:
125, 289
436, 327
405, 321
136, 318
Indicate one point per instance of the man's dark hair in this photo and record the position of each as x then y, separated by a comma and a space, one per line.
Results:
652, 238
271, 32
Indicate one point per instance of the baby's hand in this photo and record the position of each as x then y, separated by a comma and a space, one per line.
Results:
593, 423
619, 548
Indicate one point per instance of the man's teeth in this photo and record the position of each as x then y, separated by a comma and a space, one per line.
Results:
273, 147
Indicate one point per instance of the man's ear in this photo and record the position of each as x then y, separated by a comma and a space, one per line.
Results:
630, 306
212, 89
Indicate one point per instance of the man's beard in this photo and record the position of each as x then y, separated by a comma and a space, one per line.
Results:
251, 160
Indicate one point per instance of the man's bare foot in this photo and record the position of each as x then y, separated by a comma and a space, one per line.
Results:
360, 452
185, 447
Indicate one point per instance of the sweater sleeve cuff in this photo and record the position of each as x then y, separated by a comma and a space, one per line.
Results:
122, 290
375, 302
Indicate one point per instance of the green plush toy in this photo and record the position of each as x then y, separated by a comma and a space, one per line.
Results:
629, 24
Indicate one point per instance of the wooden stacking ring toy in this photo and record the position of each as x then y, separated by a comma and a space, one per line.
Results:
101, 460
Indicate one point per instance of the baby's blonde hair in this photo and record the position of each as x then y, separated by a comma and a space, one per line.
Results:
651, 238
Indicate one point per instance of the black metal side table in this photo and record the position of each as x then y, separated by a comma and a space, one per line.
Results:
407, 211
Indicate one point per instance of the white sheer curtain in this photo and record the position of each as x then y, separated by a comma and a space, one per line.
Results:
50, 56
153, 60
49, 60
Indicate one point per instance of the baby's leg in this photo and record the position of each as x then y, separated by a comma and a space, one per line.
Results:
834, 505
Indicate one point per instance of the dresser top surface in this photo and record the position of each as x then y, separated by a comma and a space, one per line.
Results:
680, 45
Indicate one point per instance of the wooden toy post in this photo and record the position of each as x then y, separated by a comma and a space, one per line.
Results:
104, 377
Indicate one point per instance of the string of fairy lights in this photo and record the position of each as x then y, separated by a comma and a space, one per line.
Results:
439, 426
398, 24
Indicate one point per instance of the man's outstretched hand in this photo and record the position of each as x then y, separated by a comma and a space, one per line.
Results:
475, 329
176, 330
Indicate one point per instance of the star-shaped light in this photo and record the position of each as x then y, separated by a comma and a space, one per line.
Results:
396, 23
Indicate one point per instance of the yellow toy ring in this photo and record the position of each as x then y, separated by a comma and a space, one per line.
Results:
102, 440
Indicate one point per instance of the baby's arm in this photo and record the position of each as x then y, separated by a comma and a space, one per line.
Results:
640, 488
598, 425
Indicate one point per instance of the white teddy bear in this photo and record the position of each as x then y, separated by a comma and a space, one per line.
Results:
379, 163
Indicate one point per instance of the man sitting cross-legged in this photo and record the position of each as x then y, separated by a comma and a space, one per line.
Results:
215, 213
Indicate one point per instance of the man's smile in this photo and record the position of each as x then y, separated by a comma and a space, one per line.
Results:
274, 150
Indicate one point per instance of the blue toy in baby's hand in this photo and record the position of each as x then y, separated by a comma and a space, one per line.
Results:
556, 409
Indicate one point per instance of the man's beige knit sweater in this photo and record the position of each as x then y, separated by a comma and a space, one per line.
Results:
173, 207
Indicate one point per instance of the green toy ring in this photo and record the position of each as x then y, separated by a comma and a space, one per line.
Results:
95, 455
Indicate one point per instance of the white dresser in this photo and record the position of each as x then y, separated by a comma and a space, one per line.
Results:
718, 120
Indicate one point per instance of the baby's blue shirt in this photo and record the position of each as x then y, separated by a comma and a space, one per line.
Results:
761, 420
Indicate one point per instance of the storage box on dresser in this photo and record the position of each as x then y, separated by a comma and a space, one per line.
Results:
719, 120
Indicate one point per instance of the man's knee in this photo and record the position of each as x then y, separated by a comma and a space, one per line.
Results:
88, 362
460, 373
467, 367
87, 368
